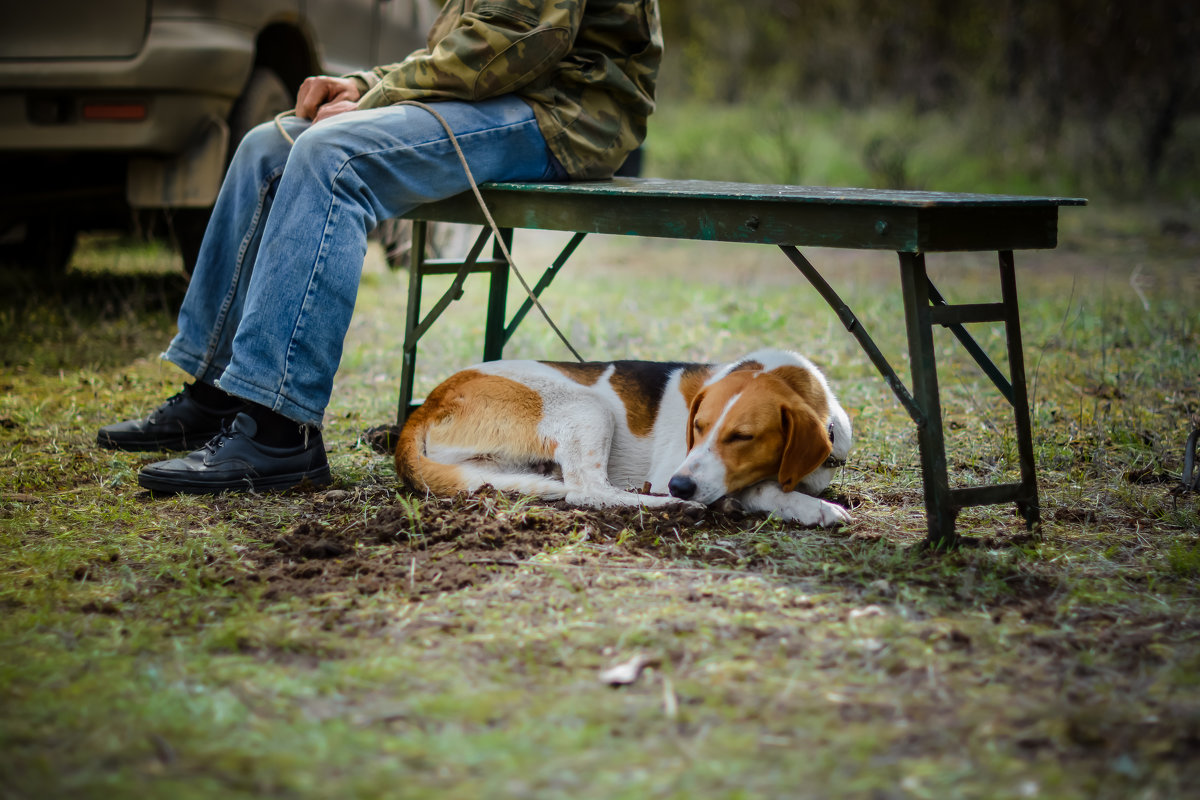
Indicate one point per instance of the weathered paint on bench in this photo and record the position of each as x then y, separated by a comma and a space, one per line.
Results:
874, 219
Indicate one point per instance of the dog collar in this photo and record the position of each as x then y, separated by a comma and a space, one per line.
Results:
833, 462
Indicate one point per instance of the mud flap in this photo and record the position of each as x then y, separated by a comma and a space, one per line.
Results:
189, 180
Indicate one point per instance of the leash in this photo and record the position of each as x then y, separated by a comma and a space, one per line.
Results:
482, 207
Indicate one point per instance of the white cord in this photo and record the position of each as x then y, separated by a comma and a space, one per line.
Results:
482, 207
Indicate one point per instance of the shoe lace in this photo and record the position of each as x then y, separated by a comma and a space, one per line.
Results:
217, 442
174, 399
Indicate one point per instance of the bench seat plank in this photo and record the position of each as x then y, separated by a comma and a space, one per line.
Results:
874, 219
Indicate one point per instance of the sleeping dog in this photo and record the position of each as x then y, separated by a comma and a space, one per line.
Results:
764, 430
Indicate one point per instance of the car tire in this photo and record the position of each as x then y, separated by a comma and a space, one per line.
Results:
265, 96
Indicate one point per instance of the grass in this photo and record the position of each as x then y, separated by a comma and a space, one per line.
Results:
978, 148
313, 645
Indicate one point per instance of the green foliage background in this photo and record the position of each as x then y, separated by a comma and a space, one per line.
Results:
1079, 96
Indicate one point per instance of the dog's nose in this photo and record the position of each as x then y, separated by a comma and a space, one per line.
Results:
681, 486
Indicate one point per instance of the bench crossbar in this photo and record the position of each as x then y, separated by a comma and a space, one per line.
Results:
968, 342
946, 314
456, 266
991, 495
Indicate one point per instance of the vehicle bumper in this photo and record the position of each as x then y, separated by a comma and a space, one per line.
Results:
187, 72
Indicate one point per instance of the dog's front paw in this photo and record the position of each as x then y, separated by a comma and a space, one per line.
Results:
833, 516
689, 507
811, 512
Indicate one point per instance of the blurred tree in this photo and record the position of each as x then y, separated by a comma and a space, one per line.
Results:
1130, 70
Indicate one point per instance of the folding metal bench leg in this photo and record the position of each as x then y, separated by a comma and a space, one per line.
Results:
939, 511
1020, 398
408, 365
493, 332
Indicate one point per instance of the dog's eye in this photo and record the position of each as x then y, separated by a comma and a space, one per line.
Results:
739, 436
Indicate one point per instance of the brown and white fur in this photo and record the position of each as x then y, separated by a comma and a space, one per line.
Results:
765, 430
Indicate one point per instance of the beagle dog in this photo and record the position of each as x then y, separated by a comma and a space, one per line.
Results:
764, 430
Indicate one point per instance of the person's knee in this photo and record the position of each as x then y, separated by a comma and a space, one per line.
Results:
325, 143
323, 153
262, 143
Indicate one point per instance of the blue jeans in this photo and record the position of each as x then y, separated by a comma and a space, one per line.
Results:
274, 287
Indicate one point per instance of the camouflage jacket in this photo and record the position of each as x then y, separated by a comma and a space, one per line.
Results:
587, 67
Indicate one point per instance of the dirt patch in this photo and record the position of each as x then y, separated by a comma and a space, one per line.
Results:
426, 546
423, 548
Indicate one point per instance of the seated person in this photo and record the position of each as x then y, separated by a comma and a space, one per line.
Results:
534, 90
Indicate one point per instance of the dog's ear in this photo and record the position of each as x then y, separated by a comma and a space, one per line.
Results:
691, 420
806, 385
806, 444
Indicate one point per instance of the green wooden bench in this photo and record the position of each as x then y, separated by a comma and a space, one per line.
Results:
909, 223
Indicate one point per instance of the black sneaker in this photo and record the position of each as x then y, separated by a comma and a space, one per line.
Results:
181, 423
233, 461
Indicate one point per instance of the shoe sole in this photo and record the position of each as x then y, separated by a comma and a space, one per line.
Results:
274, 483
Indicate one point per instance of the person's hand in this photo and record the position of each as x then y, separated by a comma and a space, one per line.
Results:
324, 96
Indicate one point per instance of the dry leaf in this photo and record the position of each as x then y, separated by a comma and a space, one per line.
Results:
626, 672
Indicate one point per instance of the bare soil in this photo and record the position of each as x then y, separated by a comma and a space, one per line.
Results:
433, 545
428, 545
